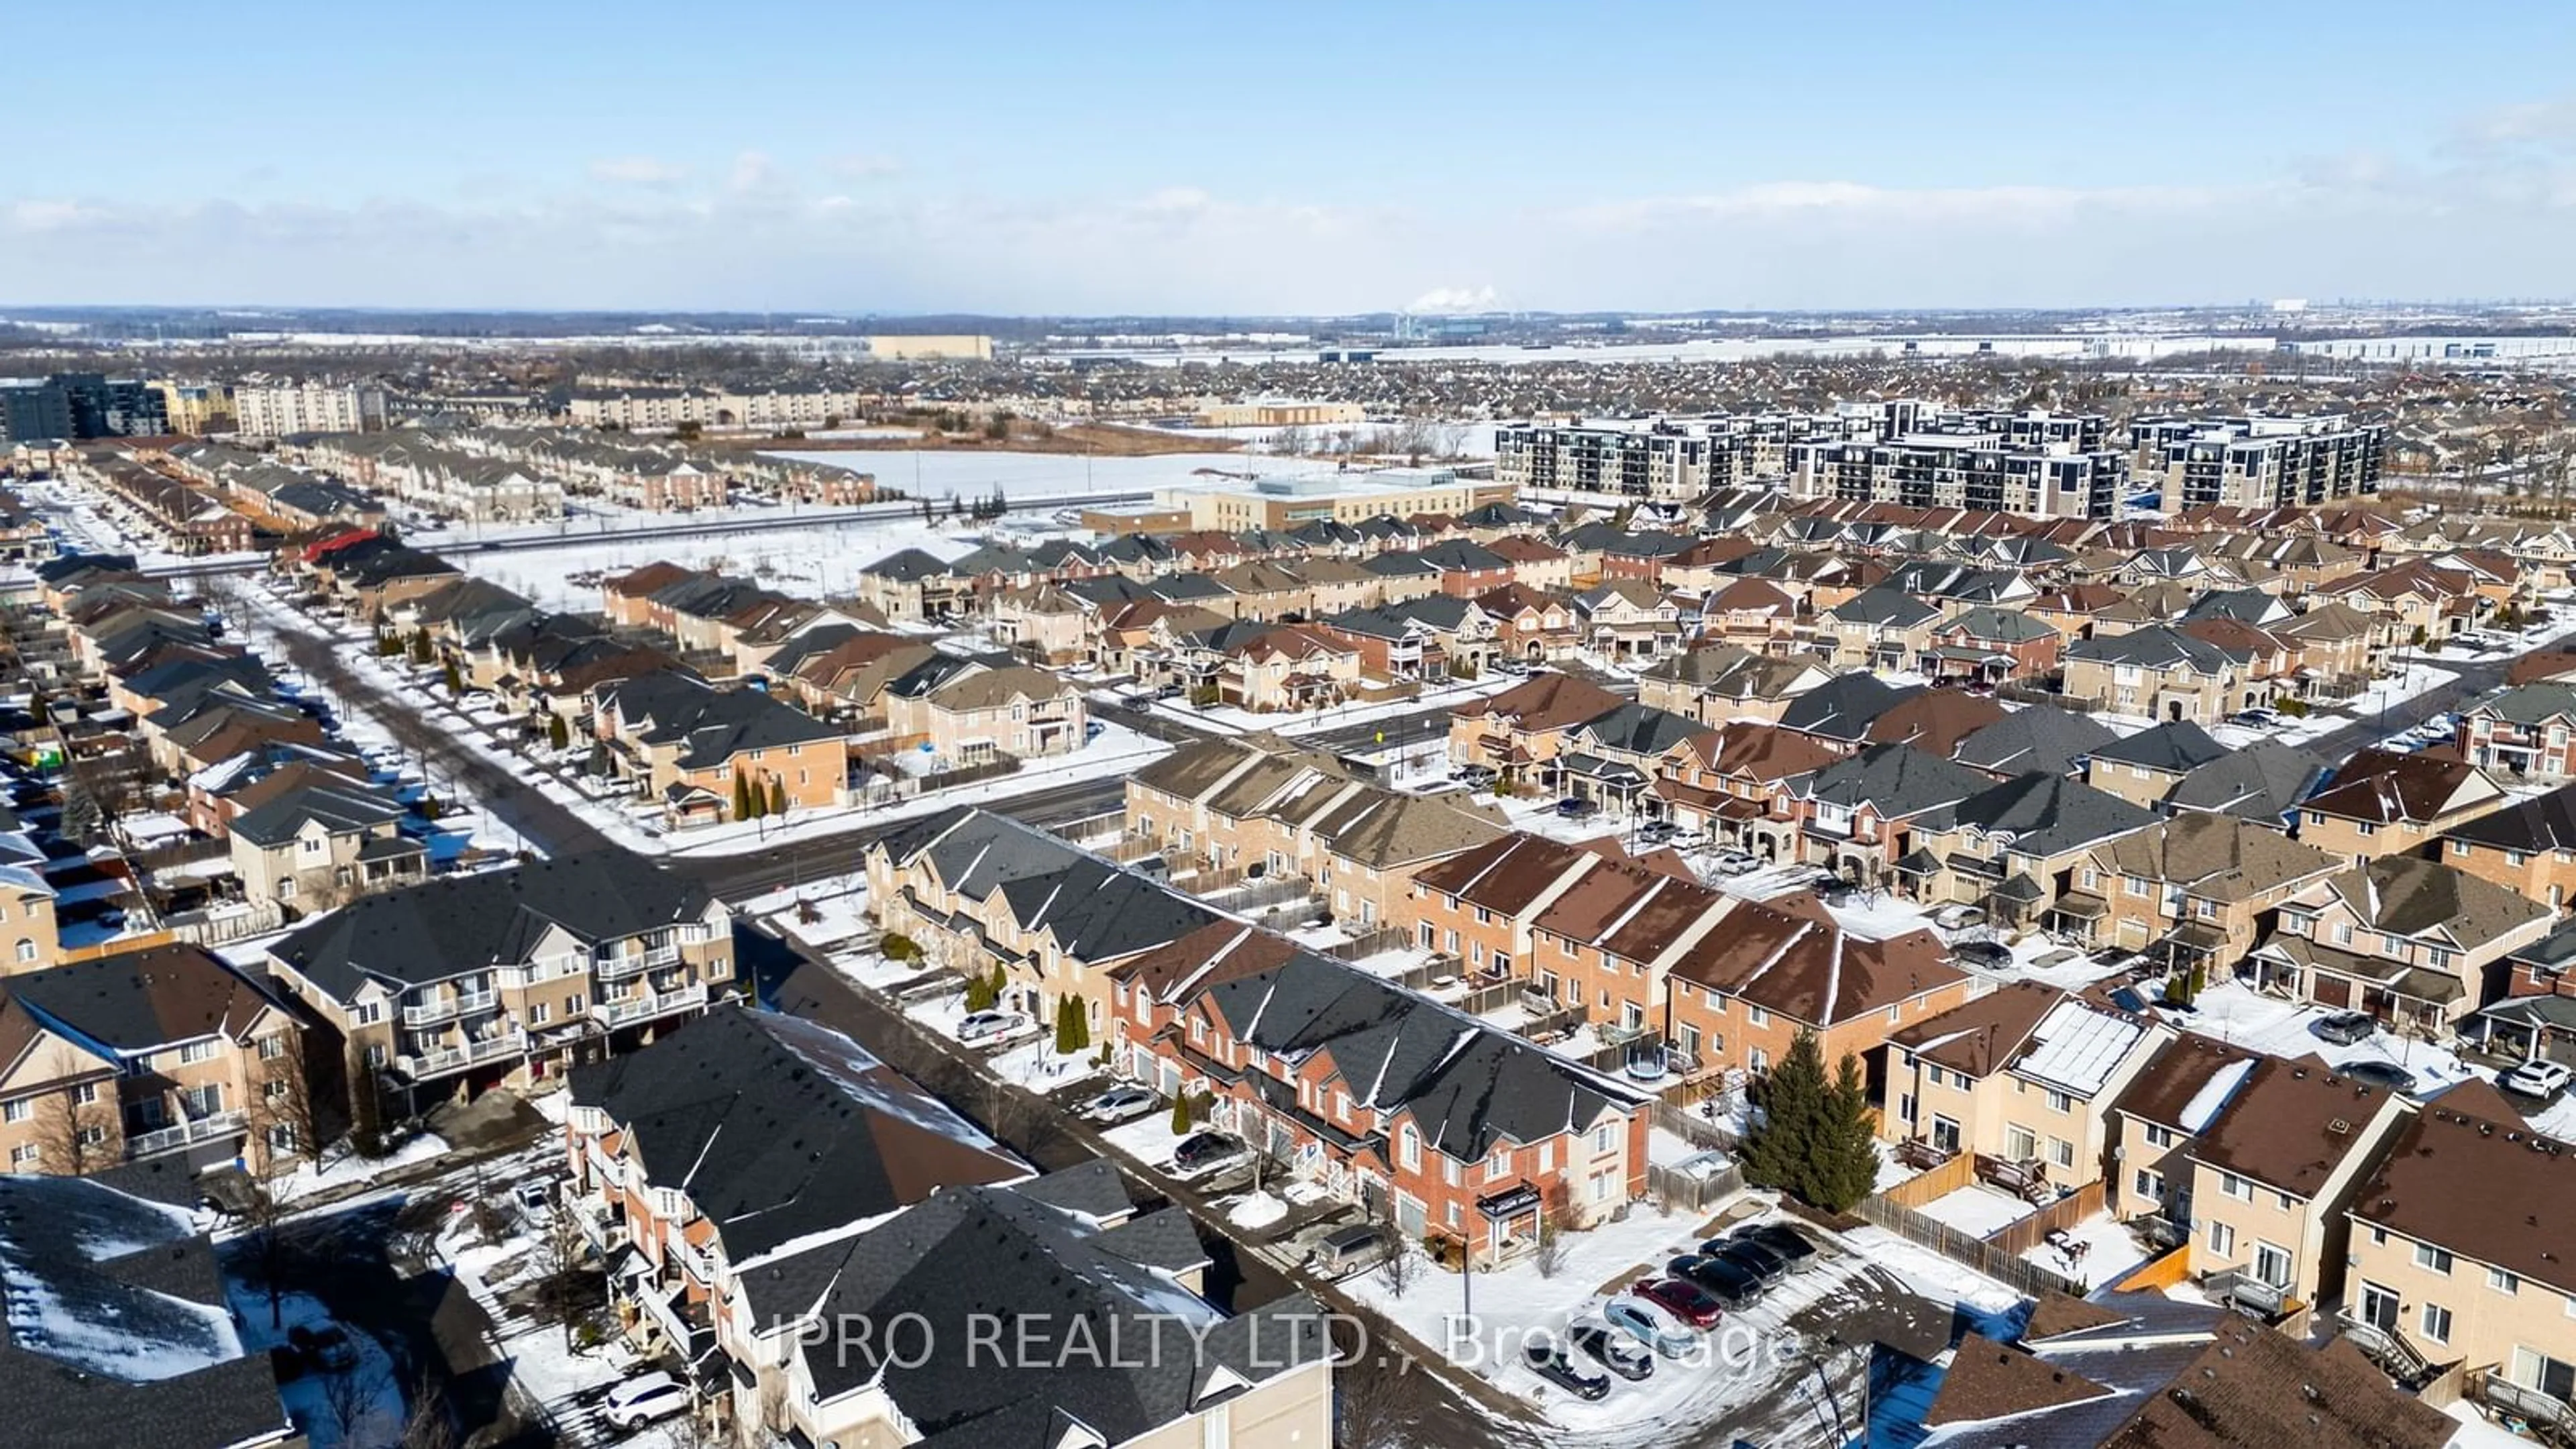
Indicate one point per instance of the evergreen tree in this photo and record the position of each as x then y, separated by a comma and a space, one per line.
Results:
741, 796
1795, 1104
777, 795
1080, 1018
979, 992
455, 682
558, 734
420, 646
1846, 1162
1068, 1025
1181, 1114
1000, 983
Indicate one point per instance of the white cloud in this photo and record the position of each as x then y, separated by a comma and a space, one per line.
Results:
863, 166
748, 236
753, 171
638, 171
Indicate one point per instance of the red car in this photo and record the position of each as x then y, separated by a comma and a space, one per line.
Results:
1688, 1302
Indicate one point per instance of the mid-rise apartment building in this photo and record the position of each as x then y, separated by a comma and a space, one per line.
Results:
2036, 465
282, 409
2257, 462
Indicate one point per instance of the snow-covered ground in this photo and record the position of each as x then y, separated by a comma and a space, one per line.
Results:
341, 1168
2235, 1013
1977, 1209
1742, 1374
359, 1407
1342, 716
2096, 1251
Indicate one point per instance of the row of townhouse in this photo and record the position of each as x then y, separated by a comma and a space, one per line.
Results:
1254, 808
187, 518
2289, 1188
471, 981
696, 750
166, 1053
1327, 1068
425, 470
1698, 983
759, 1184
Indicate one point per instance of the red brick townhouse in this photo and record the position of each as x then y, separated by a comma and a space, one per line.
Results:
1466, 1132
1698, 981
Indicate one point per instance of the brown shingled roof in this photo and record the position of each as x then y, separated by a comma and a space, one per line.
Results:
2175, 1075
2255, 1388
1989, 1381
2291, 1125
2519, 1216
1983, 1036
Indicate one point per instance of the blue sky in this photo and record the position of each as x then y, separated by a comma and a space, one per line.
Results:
1055, 158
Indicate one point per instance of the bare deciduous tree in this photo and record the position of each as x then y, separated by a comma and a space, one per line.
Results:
75, 1127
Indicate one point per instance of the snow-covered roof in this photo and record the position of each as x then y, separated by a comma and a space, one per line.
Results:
2213, 1095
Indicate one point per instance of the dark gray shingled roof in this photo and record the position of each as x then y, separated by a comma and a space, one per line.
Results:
994, 1254
118, 1335
2175, 748
2045, 814
2040, 737
1464, 1084
458, 924
779, 1128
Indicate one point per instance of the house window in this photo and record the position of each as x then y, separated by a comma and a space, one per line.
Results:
2437, 1323
23, 1157
272, 1047
1905, 1106
26, 950
2020, 1143
1409, 1148
1601, 1138
2432, 1259
2150, 1185
196, 1051
2061, 1152
2159, 1136
2504, 1282
18, 1111
1756, 1015
2230, 1185
536, 1013
2060, 1102
2222, 1240
1500, 1166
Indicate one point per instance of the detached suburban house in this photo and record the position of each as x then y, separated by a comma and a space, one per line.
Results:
2413, 942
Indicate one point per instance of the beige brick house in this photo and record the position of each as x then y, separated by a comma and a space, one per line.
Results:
470, 981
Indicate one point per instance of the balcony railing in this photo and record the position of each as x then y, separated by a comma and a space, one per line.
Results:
644, 1006
203, 1129
418, 1065
463, 1003
2533, 1406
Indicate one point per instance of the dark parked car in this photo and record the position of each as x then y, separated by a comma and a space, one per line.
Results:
326, 1347
1204, 1150
1688, 1302
1731, 1283
2344, 1027
1614, 1350
2386, 1075
1993, 955
1766, 1265
1550, 1359
1575, 807
1785, 1242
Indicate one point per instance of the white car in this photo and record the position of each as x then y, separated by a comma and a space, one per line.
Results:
2535, 1078
1958, 918
643, 1400
981, 1027
1651, 1325
536, 1199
